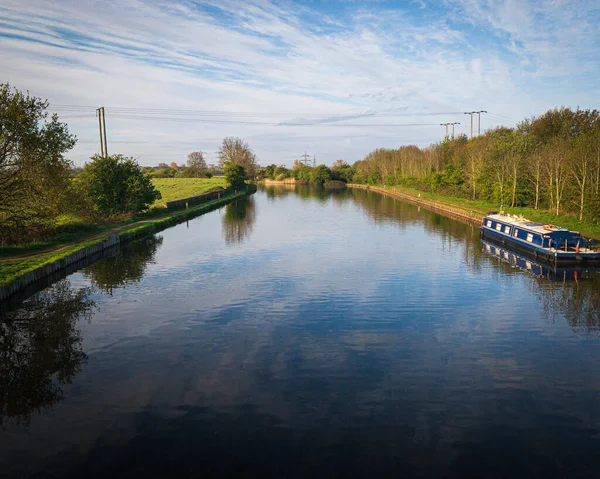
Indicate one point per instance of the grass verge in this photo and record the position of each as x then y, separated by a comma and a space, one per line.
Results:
12, 270
72, 229
586, 228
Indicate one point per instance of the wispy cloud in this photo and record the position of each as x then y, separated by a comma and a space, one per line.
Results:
297, 65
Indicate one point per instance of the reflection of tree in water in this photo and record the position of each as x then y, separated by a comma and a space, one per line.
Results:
127, 267
577, 301
238, 220
388, 210
304, 192
40, 350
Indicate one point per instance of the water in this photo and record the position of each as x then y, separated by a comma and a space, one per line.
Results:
303, 333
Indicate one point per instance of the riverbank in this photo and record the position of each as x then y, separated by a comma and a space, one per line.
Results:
468, 216
18, 273
473, 211
287, 181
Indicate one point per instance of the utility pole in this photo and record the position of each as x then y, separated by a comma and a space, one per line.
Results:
99, 115
471, 113
446, 125
455, 123
102, 126
479, 121
314, 161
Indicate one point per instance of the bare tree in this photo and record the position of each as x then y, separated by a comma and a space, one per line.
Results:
196, 165
237, 151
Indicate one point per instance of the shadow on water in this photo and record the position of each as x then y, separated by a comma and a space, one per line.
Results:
126, 267
41, 350
238, 220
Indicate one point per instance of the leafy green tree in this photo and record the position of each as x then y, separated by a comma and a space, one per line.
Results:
234, 175
281, 173
115, 184
34, 174
320, 174
270, 171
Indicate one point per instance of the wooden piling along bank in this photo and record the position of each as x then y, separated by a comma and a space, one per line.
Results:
451, 212
92, 251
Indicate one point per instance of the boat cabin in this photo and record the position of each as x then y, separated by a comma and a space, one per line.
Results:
545, 236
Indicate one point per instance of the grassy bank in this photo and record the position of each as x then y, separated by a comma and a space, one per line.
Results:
72, 228
179, 188
588, 229
13, 270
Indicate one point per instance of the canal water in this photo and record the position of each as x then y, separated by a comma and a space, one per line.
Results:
303, 333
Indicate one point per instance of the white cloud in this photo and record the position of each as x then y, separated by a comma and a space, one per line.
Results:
293, 64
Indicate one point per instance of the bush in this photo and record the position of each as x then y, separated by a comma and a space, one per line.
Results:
234, 175
114, 184
320, 175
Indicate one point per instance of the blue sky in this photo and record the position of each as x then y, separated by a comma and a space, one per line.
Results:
336, 79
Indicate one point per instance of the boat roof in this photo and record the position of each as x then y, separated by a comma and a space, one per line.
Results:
524, 223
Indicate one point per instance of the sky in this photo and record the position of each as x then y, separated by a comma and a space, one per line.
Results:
334, 79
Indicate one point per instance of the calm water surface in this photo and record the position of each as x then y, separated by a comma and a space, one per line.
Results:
303, 334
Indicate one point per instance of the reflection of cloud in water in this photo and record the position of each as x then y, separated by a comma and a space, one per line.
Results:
336, 342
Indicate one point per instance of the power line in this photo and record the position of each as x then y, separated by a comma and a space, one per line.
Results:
263, 123
171, 111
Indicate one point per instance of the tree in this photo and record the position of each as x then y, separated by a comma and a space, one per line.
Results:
237, 151
270, 171
234, 175
321, 174
174, 166
196, 166
115, 184
162, 166
34, 174
556, 170
339, 164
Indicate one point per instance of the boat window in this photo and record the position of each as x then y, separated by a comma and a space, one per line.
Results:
516, 232
489, 223
507, 229
498, 226
530, 237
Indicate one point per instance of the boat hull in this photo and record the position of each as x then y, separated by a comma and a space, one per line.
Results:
539, 268
538, 253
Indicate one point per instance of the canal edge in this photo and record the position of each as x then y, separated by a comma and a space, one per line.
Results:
449, 211
112, 240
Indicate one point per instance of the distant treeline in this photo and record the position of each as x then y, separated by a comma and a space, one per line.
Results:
340, 171
547, 162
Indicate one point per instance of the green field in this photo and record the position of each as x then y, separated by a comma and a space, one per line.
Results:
180, 188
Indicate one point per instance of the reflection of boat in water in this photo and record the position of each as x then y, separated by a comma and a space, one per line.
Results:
544, 242
540, 268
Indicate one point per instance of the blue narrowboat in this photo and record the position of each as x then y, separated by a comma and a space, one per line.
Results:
545, 242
